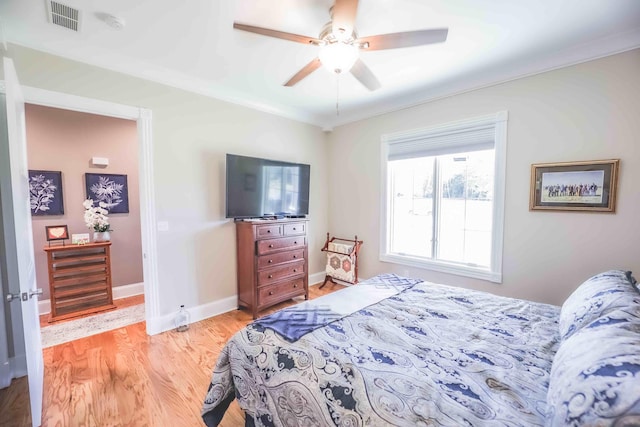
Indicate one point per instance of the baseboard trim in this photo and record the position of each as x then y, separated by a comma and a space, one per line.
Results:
198, 313
316, 278
119, 292
126, 291
5, 374
205, 311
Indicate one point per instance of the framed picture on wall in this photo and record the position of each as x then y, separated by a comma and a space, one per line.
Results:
45, 192
108, 188
574, 186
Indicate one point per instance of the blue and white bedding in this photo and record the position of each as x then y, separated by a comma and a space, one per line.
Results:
425, 355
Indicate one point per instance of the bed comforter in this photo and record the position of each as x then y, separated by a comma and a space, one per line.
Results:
427, 355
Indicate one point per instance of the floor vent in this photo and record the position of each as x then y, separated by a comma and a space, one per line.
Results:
63, 15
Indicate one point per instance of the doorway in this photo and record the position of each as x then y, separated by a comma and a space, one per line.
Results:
143, 119
66, 150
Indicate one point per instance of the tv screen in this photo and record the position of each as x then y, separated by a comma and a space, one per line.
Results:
264, 188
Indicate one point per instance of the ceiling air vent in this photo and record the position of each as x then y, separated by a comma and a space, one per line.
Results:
63, 15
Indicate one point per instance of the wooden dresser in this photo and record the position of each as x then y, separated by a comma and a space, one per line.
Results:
79, 279
272, 262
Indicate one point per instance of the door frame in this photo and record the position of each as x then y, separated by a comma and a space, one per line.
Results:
143, 119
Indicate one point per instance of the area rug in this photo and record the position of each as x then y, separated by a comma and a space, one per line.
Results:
75, 329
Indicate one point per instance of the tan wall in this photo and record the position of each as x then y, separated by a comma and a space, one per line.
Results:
62, 140
191, 135
584, 112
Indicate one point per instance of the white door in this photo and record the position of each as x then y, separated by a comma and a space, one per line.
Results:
24, 238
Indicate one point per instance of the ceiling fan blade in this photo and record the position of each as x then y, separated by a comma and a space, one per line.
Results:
304, 72
364, 75
344, 16
406, 39
277, 34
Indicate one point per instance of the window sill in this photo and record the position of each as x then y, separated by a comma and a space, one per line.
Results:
444, 267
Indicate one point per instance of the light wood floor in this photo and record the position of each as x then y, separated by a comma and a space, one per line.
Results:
126, 378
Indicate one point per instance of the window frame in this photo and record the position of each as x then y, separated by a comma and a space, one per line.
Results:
426, 138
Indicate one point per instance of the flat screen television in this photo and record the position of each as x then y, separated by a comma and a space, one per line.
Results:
258, 188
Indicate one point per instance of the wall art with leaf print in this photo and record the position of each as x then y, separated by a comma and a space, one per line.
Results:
110, 189
45, 192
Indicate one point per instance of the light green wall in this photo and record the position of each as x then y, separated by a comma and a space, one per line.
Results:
191, 135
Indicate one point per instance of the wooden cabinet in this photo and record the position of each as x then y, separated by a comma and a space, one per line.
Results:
79, 279
272, 262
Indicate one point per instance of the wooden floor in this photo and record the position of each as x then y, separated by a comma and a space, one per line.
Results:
126, 378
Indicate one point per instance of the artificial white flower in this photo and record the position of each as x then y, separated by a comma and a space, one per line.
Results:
95, 217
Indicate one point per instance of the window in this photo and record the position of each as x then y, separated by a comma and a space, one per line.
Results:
443, 198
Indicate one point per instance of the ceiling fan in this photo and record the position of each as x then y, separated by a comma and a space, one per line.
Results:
340, 43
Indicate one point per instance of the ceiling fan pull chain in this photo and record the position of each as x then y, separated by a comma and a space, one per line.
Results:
337, 94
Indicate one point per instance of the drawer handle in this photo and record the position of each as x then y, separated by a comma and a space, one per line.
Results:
268, 231
294, 229
295, 256
270, 261
271, 276
295, 286
270, 292
271, 245
294, 270
295, 243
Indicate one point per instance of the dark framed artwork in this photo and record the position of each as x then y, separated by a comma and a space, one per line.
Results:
574, 186
56, 232
45, 192
108, 188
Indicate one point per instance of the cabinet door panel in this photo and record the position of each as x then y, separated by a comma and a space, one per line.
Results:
273, 245
265, 261
295, 229
268, 295
275, 274
263, 231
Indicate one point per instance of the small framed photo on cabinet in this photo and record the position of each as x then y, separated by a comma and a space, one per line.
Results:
56, 232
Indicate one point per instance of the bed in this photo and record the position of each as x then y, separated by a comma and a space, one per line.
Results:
402, 352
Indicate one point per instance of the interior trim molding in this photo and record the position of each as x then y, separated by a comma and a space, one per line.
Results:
572, 55
210, 309
198, 313
143, 119
15, 367
316, 278
5, 374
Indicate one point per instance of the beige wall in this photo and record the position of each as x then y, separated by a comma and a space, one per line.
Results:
584, 112
588, 111
62, 140
191, 135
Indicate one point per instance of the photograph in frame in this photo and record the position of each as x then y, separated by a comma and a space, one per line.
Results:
574, 186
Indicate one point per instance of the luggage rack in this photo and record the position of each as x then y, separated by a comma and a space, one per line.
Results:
342, 259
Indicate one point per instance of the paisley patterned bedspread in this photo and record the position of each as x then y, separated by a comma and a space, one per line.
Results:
429, 355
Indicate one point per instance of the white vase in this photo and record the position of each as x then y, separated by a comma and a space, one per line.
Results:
101, 236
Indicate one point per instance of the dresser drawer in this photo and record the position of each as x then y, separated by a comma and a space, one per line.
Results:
295, 228
280, 291
272, 245
279, 258
275, 274
265, 231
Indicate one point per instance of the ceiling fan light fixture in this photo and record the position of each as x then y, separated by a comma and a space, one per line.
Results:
338, 57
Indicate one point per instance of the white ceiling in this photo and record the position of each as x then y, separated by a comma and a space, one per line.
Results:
192, 45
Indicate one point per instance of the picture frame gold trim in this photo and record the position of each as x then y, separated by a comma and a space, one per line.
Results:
588, 186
